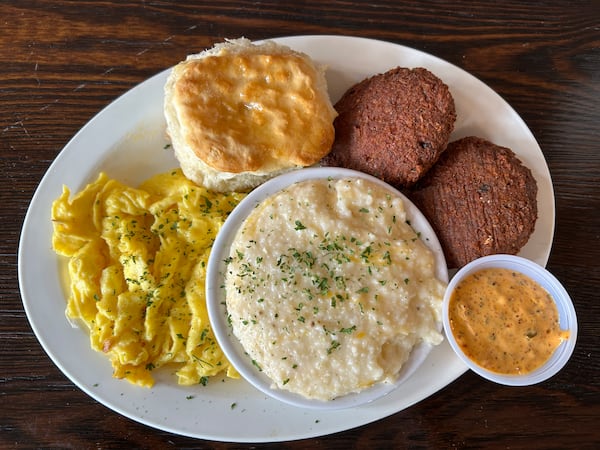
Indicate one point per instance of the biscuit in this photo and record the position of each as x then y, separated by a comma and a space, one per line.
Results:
240, 113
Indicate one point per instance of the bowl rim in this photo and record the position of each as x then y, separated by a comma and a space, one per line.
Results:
562, 300
217, 309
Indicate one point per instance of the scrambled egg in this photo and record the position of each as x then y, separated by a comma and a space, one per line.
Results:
137, 261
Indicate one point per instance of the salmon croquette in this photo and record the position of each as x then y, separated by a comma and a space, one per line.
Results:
480, 200
393, 126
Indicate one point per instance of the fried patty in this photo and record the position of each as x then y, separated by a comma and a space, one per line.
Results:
393, 125
480, 199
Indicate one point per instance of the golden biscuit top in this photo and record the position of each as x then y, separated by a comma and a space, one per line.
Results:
256, 110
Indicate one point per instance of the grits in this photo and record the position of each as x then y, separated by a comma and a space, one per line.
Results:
136, 273
328, 288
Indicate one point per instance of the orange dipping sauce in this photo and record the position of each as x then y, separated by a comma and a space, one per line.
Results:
504, 321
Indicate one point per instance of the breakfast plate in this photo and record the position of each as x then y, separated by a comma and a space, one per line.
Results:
127, 141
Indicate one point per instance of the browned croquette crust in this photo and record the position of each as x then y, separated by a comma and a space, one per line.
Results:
480, 199
393, 125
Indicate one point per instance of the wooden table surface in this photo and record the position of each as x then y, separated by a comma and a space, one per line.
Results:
61, 62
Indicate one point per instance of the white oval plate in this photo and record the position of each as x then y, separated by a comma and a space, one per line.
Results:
127, 140
215, 294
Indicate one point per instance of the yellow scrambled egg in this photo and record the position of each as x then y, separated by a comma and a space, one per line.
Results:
137, 261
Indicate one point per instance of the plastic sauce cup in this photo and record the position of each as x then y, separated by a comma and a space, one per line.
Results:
564, 305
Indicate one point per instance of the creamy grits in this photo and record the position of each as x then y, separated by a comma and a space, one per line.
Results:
329, 288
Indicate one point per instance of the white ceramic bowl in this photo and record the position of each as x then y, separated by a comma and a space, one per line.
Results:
566, 312
215, 295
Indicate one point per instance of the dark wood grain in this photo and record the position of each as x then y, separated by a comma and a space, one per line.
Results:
62, 61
